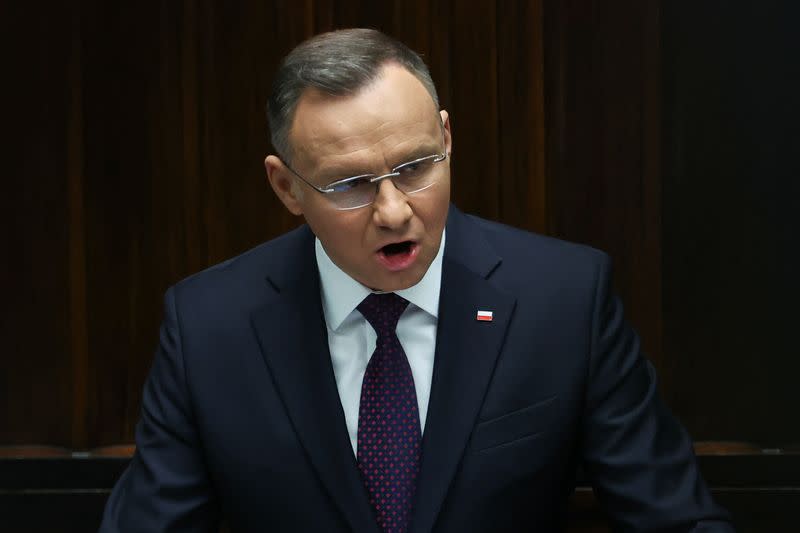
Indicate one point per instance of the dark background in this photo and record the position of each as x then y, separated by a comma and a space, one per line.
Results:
665, 132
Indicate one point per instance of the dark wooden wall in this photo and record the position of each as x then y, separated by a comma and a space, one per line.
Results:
141, 137
730, 218
665, 133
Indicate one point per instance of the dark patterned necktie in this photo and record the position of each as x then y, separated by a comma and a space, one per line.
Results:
388, 419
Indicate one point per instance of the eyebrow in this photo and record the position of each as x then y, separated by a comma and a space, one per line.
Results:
422, 151
346, 171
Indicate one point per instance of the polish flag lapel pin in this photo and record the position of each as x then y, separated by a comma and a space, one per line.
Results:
484, 316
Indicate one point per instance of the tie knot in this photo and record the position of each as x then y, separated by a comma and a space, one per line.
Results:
382, 311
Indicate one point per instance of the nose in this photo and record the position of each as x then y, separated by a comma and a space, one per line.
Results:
391, 209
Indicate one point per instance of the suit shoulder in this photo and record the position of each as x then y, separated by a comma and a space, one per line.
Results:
247, 270
541, 270
516, 244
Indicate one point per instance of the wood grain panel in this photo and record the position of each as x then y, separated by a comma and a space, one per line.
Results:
521, 178
602, 120
35, 360
120, 60
182, 159
473, 107
732, 132
78, 330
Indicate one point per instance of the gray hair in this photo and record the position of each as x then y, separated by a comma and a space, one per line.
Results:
337, 63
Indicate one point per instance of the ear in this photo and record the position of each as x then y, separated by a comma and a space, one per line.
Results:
283, 183
448, 136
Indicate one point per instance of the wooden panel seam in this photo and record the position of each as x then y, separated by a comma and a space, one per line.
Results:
78, 333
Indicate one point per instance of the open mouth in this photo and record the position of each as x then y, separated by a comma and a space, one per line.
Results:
398, 255
397, 248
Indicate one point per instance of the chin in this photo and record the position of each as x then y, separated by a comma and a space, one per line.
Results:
401, 282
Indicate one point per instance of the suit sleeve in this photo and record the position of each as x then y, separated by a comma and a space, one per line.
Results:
637, 456
166, 486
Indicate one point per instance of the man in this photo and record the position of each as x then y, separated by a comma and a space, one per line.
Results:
396, 365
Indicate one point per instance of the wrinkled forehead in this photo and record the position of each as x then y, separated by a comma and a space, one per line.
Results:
392, 116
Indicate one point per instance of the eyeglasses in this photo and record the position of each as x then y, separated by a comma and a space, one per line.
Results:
360, 191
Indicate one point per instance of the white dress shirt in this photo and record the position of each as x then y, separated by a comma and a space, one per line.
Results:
352, 340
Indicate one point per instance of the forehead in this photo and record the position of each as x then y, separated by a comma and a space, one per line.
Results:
392, 116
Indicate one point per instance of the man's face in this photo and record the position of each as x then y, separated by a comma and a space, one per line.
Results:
389, 244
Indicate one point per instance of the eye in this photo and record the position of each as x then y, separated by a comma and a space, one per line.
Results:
410, 168
349, 184
415, 169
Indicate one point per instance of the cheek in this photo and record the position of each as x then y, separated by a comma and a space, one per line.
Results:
438, 207
341, 235
346, 244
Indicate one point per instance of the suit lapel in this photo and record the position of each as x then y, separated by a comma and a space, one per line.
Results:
291, 332
292, 335
466, 353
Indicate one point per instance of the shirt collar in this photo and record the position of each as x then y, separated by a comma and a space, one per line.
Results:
341, 294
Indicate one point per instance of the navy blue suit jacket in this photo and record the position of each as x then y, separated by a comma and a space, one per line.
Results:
241, 418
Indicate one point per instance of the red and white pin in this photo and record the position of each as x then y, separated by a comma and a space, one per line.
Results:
484, 316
